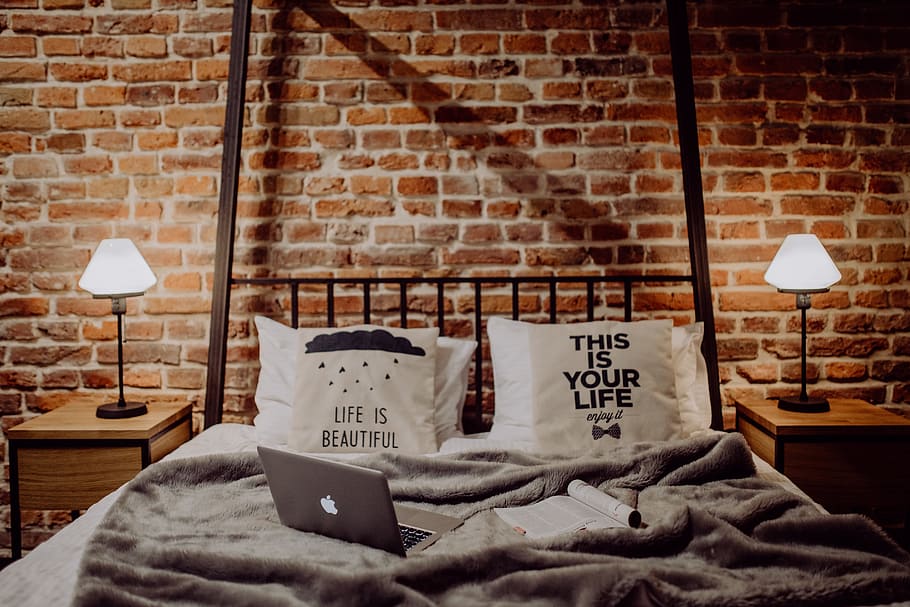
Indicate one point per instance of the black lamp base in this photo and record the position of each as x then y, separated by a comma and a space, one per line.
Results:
809, 405
120, 411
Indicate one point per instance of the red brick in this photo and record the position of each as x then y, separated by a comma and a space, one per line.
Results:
744, 182
368, 184
34, 167
570, 19
87, 165
413, 115
50, 24
481, 256
485, 44
24, 306
382, 139
78, 72
425, 140
886, 161
331, 69
181, 116
187, 46
22, 71
654, 183
434, 44
417, 186
364, 116
158, 71
484, 115
830, 159
18, 46
817, 205
398, 162
49, 355
82, 211
84, 119
411, 257
348, 207
617, 160
567, 113
480, 19
610, 184
55, 46
794, 181
394, 234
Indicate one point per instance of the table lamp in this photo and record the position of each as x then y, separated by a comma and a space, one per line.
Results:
117, 270
802, 266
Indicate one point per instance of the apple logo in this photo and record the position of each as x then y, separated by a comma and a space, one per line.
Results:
328, 504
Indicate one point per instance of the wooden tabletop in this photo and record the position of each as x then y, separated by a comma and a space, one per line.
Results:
846, 416
78, 421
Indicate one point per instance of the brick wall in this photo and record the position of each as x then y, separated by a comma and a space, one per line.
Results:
446, 136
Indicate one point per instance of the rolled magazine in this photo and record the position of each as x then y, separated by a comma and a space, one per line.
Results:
585, 507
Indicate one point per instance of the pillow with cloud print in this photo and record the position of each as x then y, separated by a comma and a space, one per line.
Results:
363, 389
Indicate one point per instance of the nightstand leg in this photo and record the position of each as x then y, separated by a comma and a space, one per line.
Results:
15, 512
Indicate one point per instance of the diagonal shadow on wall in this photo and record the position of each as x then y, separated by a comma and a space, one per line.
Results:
491, 139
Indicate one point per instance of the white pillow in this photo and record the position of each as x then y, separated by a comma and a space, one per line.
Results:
453, 361
277, 364
509, 353
364, 389
275, 387
691, 378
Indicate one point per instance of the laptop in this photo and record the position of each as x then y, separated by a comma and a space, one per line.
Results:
347, 502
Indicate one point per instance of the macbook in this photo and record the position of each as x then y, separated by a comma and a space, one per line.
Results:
347, 502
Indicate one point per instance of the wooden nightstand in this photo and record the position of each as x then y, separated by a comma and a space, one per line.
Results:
68, 459
852, 458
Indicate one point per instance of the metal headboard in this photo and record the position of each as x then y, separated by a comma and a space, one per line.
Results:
364, 288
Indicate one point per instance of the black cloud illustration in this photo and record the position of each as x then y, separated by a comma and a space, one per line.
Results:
376, 339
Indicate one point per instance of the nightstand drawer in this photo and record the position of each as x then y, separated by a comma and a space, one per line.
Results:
73, 478
851, 475
166, 442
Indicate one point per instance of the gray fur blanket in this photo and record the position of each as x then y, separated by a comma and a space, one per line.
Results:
205, 532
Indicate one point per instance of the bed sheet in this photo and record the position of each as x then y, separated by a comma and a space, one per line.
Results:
47, 576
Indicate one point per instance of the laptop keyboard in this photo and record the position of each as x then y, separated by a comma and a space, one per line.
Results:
411, 536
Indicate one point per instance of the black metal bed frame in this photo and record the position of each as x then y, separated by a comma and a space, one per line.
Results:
680, 51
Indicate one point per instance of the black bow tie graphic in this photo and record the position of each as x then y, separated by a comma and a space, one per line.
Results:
597, 432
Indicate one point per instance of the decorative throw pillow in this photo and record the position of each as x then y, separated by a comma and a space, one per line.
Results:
510, 352
596, 383
364, 388
277, 369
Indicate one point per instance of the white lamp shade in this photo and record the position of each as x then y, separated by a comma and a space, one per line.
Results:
117, 269
802, 265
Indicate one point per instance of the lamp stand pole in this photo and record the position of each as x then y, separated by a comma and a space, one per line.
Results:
121, 408
803, 404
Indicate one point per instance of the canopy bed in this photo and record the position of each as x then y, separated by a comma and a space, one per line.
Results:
719, 526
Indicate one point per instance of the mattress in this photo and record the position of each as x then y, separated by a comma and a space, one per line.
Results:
47, 575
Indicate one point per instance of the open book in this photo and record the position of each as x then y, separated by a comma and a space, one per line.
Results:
585, 507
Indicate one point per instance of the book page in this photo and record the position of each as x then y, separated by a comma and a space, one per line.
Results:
602, 502
554, 515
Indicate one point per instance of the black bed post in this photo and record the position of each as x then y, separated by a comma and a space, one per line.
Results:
227, 211
681, 56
